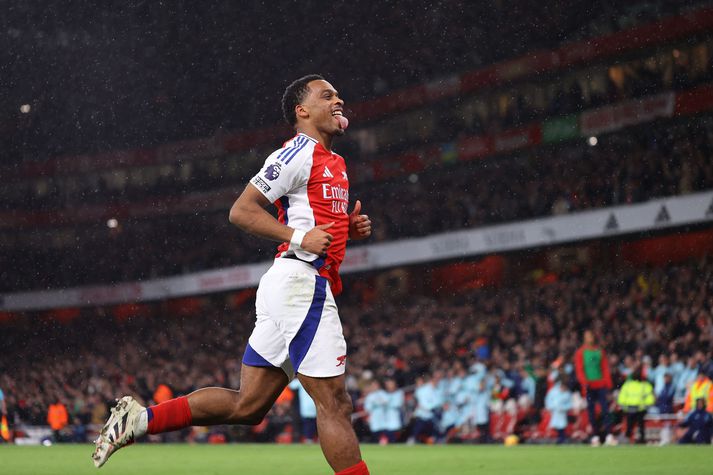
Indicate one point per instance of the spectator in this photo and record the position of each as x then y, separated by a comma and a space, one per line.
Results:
699, 424
664, 399
450, 420
656, 376
79, 432
592, 369
481, 411
428, 402
676, 368
394, 410
627, 366
635, 397
163, 393
701, 388
57, 418
559, 402
526, 384
376, 405
686, 378
308, 411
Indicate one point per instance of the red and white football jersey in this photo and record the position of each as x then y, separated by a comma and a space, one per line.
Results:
310, 187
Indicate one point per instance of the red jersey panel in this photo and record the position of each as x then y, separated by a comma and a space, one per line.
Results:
309, 185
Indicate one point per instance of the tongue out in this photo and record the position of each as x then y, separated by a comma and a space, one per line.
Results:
343, 121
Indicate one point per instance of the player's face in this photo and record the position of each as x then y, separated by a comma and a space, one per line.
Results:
323, 105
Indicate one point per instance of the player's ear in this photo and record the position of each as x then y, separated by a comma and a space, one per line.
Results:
300, 111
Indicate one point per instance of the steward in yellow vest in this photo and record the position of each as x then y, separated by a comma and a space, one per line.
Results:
702, 387
635, 397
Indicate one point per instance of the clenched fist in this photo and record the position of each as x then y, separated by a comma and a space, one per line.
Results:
317, 240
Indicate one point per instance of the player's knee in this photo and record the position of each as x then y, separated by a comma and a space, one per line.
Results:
345, 405
339, 404
248, 414
253, 419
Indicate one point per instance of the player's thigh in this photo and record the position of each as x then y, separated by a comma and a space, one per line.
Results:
260, 386
329, 394
318, 348
266, 347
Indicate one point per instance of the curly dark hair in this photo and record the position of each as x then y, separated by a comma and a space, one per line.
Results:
294, 95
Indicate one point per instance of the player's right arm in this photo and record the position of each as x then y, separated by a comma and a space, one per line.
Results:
249, 214
278, 177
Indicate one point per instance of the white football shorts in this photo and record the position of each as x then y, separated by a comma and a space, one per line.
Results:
297, 326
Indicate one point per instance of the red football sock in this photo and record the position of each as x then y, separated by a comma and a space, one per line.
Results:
170, 415
358, 469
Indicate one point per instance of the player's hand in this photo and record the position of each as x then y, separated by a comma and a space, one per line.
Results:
359, 224
317, 240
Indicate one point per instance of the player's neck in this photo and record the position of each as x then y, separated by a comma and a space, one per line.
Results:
324, 139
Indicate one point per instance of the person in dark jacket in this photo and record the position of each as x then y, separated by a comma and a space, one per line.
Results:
699, 424
664, 399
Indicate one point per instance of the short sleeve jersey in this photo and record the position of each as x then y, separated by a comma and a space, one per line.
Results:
309, 186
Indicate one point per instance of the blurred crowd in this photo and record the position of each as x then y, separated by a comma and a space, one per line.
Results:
481, 353
101, 77
623, 168
675, 68
464, 359
662, 159
627, 167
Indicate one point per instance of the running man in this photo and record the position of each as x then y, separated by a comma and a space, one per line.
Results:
297, 330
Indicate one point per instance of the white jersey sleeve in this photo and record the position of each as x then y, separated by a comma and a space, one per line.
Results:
283, 170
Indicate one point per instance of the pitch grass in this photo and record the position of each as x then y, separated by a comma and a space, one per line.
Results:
243, 459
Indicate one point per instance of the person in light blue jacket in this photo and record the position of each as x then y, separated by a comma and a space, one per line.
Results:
428, 403
527, 384
464, 406
376, 404
676, 366
686, 378
308, 411
559, 401
480, 411
471, 380
657, 375
394, 416
449, 420
444, 382
454, 382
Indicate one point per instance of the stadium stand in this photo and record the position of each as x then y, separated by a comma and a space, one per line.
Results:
155, 79
525, 328
444, 159
627, 167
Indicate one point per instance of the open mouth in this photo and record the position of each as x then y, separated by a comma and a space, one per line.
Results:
342, 121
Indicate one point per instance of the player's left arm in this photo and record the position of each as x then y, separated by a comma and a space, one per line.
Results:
359, 224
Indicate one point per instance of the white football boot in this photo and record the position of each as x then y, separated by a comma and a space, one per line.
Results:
128, 422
